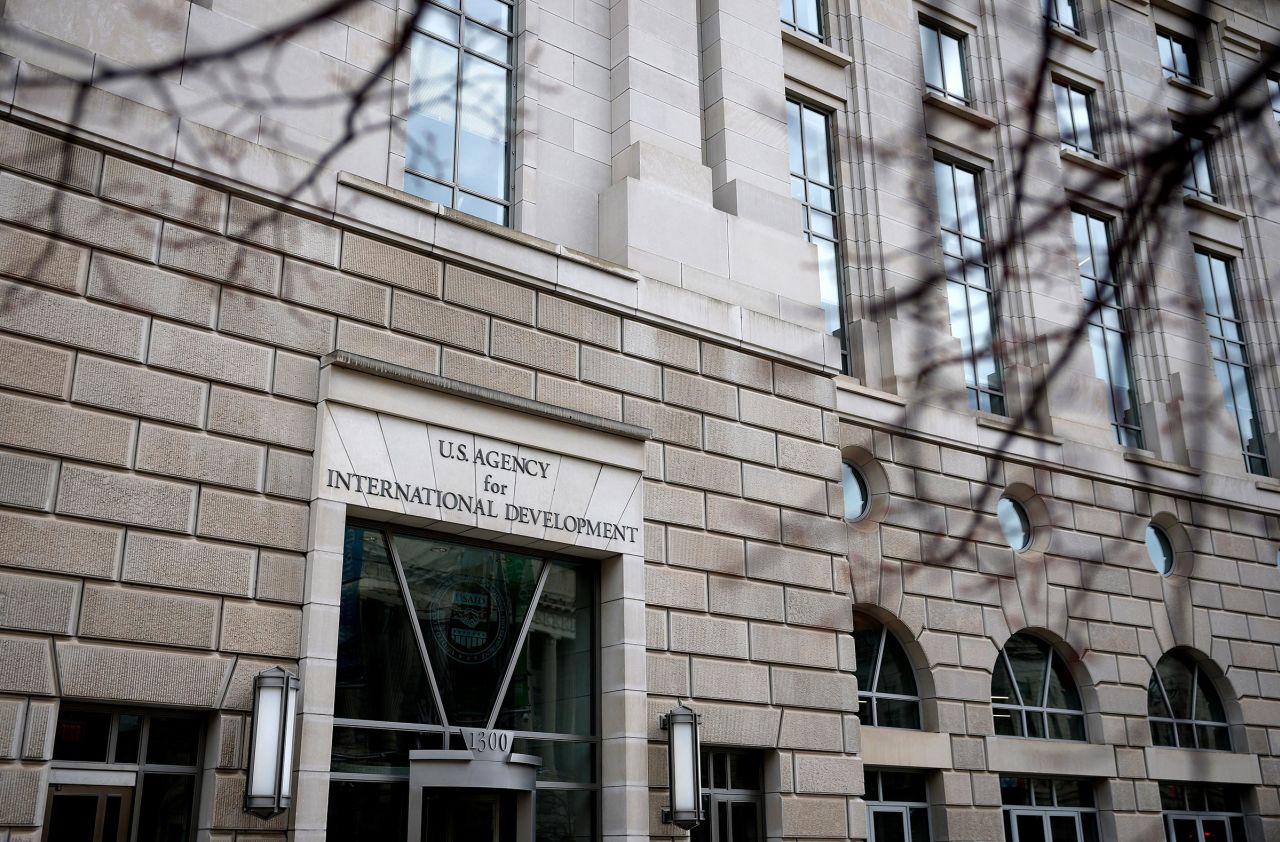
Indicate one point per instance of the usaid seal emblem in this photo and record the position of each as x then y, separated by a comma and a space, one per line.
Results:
470, 618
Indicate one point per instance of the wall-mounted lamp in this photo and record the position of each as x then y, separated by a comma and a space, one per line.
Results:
275, 703
684, 769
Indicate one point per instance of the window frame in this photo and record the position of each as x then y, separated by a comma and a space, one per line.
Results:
1256, 463
872, 693
1199, 156
793, 23
1011, 812
877, 804
511, 68
1194, 664
1053, 14
939, 30
1093, 149
1191, 52
1273, 96
712, 796
1041, 708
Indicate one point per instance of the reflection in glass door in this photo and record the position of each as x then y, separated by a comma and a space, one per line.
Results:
1204, 828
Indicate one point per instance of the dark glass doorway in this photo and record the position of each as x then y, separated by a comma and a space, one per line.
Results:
468, 815
88, 814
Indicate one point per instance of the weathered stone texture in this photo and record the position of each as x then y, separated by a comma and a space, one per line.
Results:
212, 256
59, 545
137, 614
42, 260
482, 292
283, 231
212, 459
35, 367
37, 603
71, 321
26, 481
187, 564
138, 391
397, 266
261, 629
123, 498
336, 293
140, 675
209, 355
276, 323
155, 192
262, 418
142, 287
257, 520
59, 212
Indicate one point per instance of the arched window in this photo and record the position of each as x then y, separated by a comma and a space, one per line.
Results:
1033, 694
1184, 708
887, 694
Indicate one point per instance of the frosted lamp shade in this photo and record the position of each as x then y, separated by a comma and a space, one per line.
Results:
275, 706
683, 793
266, 743
290, 710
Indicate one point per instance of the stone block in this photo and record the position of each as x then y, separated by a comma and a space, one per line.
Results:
47, 157
26, 481
784, 488
125, 498
280, 577
255, 629
738, 725
713, 473
11, 715
730, 680
148, 676
337, 293
623, 373
138, 391
276, 323
701, 394
22, 793
393, 348
803, 647
105, 226
807, 729
815, 689
143, 287
702, 551
783, 564
573, 395
668, 676
534, 348
736, 367
59, 545
41, 260
814, 817
740, 442
668, 424
669, 504
742, 517
819, 533
673, 588
281, 231
289, 474
209, 355
492, 374
777, 414
828, 774
209, 459
804, 386
297, 376
149, 616
744, 598
262, 418
71, 321
810, 458
162, 194
35, 367
214, 256
568, 318
37, 603
187, 564
228, 811
702, 635
252, 519
441, 322
25, 666
399, 267
653, 343
819, 609
482, 292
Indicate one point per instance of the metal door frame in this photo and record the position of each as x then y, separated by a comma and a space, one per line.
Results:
1199, 819
1044, 814
124, 830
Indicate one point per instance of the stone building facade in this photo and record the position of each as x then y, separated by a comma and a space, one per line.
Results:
646, 442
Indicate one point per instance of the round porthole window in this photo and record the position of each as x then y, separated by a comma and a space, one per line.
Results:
1159, 550
856, 498
1014, 523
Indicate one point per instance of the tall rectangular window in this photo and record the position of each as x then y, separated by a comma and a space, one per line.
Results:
732, 796
1231, 354
1107, 324
1273, 91
1075, 118
944, 62
802, 16
1060, 809
1063, 13
1200, 179
813, 184
1178, 58
458, 139
969, 290
897, 805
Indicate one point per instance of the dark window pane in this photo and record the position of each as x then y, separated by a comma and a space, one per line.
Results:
564, 762
1214, 830
903, 786
565, 815
1008, 723
1184, 830
1237, 830
1177, 685
164, 810
1027, 658
919, 821
744, 770
871, 780
888, 826
1089, 827
72, 819
359, 810
1186, 734
1063, 726
1030, 828
745, 816
1162, 734
897, 713
1015, 792
128, 733
866, 643
1214, 736
1001, 686
1063, 829
1171, 797
1035, 723
1062, 687
377, 751
380, 673
173, 741
1208, 704
1073, 793
111, 830
896, 674
82, 735
1042, 792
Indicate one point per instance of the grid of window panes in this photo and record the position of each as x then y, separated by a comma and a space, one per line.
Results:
732, 797
1184, 709
437, 634
887, 694
458, 138
803, 16
1273, 92
1042, 809
970, 294
1199, 178
159, 749
1202, 812
1033, 694
1177, 57
1107, 325
897, 806
1063, 13
1231, 355
813, 184
944, 62
1075, 118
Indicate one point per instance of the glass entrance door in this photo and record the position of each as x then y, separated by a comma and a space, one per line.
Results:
1205, 828
88, 814
468, 815
1047, 826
